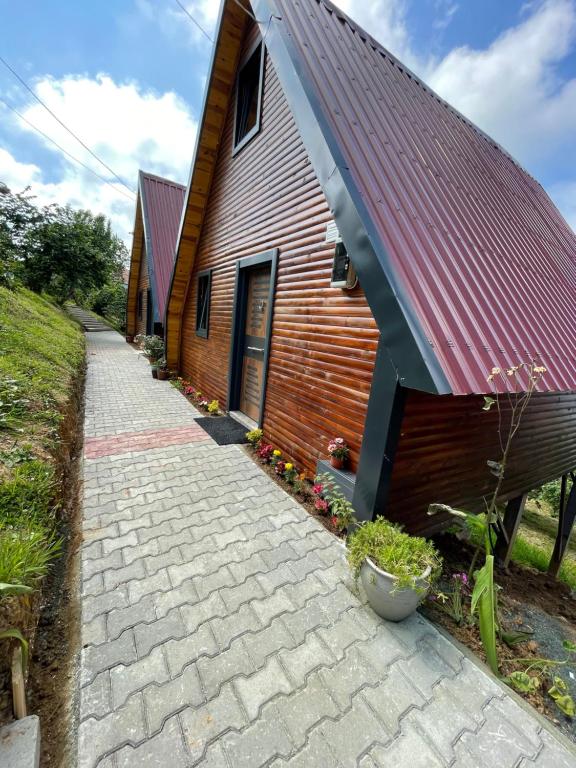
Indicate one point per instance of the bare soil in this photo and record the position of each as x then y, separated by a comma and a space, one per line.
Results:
529, 601
51, 619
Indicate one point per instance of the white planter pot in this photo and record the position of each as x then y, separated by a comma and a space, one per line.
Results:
390, 603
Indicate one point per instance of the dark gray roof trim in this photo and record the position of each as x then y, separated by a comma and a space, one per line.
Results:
401, 332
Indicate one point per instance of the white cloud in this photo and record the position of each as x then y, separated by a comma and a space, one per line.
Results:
385, 20
128, 127
513, 89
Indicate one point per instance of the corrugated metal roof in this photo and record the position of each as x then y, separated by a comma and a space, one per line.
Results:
486, 258
162, 203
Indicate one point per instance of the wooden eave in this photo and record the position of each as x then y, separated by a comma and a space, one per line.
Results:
135, 262
220, 86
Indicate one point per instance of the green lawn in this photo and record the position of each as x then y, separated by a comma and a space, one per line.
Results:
41, 356
534, 544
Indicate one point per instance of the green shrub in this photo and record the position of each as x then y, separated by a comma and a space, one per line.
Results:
26, 497
393, 551
25, 555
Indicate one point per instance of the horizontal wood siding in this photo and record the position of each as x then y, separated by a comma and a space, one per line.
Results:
323, 339
446, 441
143, 285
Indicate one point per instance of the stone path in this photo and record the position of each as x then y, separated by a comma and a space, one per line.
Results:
220, 628
87, 319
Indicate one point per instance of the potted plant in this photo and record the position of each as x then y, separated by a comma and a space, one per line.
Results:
129, 338
154, 369
338, 451
163, 372
396, 570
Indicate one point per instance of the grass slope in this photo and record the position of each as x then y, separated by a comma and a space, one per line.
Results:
41, 355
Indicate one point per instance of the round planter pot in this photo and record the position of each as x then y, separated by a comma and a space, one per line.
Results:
391, 604
336, 463
162, 375
154, 372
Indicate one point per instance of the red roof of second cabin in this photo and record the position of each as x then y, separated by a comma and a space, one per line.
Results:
486, 259
162, 203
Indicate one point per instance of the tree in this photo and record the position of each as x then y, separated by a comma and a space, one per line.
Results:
77, 252
19, 219
56, 249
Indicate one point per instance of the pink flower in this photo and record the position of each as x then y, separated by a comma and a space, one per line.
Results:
460, 577
334, 521
317, 489
321, 505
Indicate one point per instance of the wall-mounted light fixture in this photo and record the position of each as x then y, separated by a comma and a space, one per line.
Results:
343, 273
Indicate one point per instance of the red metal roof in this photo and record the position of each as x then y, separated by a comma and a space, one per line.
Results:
487, 260
162, 203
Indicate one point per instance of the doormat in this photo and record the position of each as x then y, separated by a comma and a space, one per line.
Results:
224, 430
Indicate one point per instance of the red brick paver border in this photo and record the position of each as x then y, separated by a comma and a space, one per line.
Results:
109, 445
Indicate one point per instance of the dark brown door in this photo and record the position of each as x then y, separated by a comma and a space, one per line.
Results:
256, 324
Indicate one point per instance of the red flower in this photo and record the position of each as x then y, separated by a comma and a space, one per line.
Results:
280, 467
321, 505
334, 521
265, 452
317, 489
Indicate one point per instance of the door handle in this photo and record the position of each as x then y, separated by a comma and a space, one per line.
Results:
254, 349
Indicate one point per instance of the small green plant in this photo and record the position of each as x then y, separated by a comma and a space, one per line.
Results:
452, 602
338, 506
162, 364
25, 555
213, 408
152, 346
390, 549
531, 678
18, 454
254, 437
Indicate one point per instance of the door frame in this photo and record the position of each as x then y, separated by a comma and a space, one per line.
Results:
236, 360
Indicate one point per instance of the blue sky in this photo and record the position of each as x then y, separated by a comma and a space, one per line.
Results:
128, 77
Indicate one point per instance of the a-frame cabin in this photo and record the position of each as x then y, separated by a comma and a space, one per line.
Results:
355, 257
156, 223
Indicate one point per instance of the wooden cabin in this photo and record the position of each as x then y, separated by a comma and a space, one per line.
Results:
159, 206
355, 257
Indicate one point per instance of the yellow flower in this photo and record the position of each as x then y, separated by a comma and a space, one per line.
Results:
276, 452
510, 372
539, 369
288, 467
495, 371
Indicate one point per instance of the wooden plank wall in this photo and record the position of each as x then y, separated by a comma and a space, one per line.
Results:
323, 339
134, 276
143, 285
446, 442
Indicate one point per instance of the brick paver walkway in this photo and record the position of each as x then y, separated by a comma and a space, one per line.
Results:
219, 623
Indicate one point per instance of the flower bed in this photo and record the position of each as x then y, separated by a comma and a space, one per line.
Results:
195, 396
319, 495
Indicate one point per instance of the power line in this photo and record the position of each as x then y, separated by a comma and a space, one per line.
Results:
65, 152
193, 20
70, 131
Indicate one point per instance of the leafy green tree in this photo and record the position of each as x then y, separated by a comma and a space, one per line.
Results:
56, 249
19, 219
77, 252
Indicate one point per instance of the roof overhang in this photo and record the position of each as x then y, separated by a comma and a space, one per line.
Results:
402, 335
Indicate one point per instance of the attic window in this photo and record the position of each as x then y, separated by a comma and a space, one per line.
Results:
248, 97
203, 304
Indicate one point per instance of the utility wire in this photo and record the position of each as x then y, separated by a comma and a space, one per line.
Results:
75, 159
193, 20
70, 131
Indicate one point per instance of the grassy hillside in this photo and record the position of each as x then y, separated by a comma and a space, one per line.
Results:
41, 358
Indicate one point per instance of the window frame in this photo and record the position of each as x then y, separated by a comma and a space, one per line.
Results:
205, 274
237, 146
